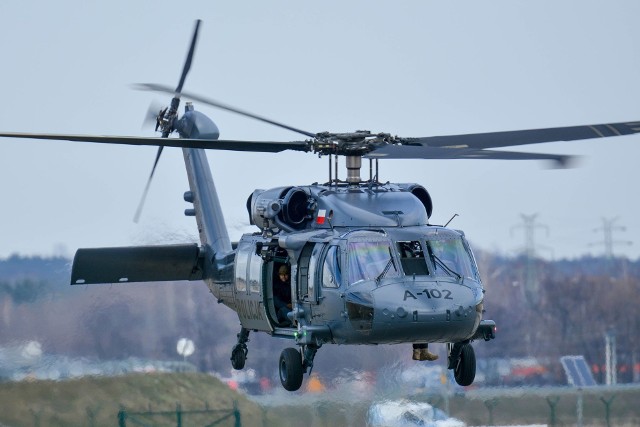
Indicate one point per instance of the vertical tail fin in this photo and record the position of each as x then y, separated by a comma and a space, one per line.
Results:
211, 226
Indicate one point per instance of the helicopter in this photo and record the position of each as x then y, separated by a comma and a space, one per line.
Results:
366, 266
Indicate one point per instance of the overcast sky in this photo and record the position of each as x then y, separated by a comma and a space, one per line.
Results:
410, 68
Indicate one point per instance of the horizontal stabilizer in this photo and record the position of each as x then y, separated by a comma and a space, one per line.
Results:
136, 264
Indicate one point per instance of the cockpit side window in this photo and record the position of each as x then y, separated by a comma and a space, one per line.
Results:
370, 260
331, 269
450, 258
474, 264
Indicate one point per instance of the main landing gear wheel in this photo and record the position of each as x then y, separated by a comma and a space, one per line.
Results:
465, 370
291, 370
240, 350
238, 357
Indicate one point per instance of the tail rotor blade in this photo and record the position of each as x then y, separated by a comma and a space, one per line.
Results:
146, 188
165, 119
187, 62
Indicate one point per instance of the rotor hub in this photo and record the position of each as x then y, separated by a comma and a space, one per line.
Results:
356, 143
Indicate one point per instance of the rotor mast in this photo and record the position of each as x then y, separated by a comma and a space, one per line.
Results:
354, 163
353, 146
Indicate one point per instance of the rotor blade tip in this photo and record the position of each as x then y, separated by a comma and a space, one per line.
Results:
565, 162
139, 86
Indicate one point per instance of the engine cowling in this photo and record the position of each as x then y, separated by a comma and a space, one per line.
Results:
279, 208
422, 194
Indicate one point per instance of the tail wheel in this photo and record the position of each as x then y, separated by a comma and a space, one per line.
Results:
465, 369
291, 370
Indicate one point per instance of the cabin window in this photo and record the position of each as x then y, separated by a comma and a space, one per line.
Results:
370, 260
331, 270
242, 259
412, 258
255, 273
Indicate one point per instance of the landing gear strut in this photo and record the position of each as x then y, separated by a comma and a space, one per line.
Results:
462, 359
294, 363
240, 350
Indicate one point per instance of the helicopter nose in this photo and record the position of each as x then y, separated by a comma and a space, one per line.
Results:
414, 310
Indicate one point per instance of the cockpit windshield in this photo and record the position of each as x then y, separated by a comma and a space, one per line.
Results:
370, 260
451, 258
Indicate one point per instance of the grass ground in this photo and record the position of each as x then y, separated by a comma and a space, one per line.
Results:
96, 401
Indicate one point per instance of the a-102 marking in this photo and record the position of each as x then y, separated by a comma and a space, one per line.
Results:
430, 293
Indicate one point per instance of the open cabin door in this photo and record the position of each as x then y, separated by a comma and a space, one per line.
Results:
248, 287
278, 294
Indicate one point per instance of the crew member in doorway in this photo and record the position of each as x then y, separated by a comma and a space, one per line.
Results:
282, 295
421, 352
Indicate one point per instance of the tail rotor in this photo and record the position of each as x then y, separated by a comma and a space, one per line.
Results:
167, 116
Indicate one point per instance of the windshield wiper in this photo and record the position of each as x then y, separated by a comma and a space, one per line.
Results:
441, 263
387, 267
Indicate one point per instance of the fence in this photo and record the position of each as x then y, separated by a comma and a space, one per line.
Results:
150, 418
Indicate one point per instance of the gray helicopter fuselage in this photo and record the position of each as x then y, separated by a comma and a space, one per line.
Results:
366, 267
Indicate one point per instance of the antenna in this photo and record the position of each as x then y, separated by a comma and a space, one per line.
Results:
454, 215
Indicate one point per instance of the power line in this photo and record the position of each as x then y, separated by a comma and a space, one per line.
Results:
608, 228
531, 287
530, 226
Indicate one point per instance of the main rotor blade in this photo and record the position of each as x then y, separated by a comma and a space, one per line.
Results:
136, 217
208, 101
424, 152
187, 62
532, 136
209, 144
